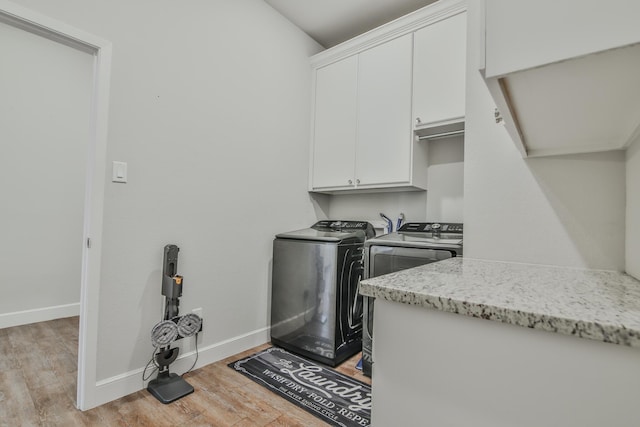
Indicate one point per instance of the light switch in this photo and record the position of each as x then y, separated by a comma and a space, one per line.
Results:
119, 172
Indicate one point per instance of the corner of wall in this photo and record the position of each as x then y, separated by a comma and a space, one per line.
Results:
632, 229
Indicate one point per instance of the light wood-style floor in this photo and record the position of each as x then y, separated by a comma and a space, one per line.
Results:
38, 365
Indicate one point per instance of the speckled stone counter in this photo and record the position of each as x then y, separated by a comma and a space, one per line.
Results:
594, 304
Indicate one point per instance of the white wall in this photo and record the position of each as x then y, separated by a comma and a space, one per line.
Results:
566, 210
445, 194
44, 129
443, 201
368, 206
633, 211
210, 109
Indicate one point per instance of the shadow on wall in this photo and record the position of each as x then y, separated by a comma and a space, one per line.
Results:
445, 197
632, 231
320, 203
587, 192
269, 287
442, 202
367, 206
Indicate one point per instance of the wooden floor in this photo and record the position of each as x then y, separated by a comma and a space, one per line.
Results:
38, 365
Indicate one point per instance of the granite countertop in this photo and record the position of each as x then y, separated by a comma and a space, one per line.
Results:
595, 304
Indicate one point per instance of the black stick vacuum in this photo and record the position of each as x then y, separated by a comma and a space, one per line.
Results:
168, 387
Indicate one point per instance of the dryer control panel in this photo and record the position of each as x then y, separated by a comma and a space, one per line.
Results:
430, 227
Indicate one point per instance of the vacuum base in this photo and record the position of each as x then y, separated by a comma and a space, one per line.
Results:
169, 387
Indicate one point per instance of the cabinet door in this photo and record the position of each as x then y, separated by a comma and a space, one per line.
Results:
335, 124
383, 147
439, 70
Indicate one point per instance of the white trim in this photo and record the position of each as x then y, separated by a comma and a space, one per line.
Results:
50, 28
482, 51
36, 23
406, 24
130, 382
633, 137
561, 151
25, 317
94, 202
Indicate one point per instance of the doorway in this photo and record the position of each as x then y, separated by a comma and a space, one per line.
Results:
54, 84
44, 126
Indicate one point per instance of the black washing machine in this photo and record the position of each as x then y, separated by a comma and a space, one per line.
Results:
316, 310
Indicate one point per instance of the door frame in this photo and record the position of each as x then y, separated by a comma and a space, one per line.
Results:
36, 23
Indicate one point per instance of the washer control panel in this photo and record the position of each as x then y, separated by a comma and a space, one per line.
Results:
340, 225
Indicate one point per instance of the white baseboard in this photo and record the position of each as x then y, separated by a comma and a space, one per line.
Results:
129, 382
35, 315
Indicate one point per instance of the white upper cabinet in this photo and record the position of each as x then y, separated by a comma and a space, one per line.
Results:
439, 70
362, 123
564, 75
383, 154
335, 124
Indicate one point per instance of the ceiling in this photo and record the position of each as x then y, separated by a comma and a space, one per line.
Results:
330, 22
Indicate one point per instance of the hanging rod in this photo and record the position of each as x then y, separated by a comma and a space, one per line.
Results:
442, 135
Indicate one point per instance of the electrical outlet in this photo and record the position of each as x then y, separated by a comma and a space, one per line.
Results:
198, 311
188, 345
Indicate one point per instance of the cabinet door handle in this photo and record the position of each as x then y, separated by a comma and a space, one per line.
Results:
350, 182
418, 121
357, 181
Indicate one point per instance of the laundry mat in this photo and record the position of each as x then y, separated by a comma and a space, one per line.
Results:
329, 395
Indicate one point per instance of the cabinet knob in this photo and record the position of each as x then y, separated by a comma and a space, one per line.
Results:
418, 121
357, 181
350, 182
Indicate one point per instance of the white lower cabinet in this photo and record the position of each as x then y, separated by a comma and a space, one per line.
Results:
434, 368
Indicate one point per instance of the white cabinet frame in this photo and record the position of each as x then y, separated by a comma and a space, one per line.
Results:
405, 25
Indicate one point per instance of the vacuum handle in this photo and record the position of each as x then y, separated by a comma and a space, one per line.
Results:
170, 263
171, 281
